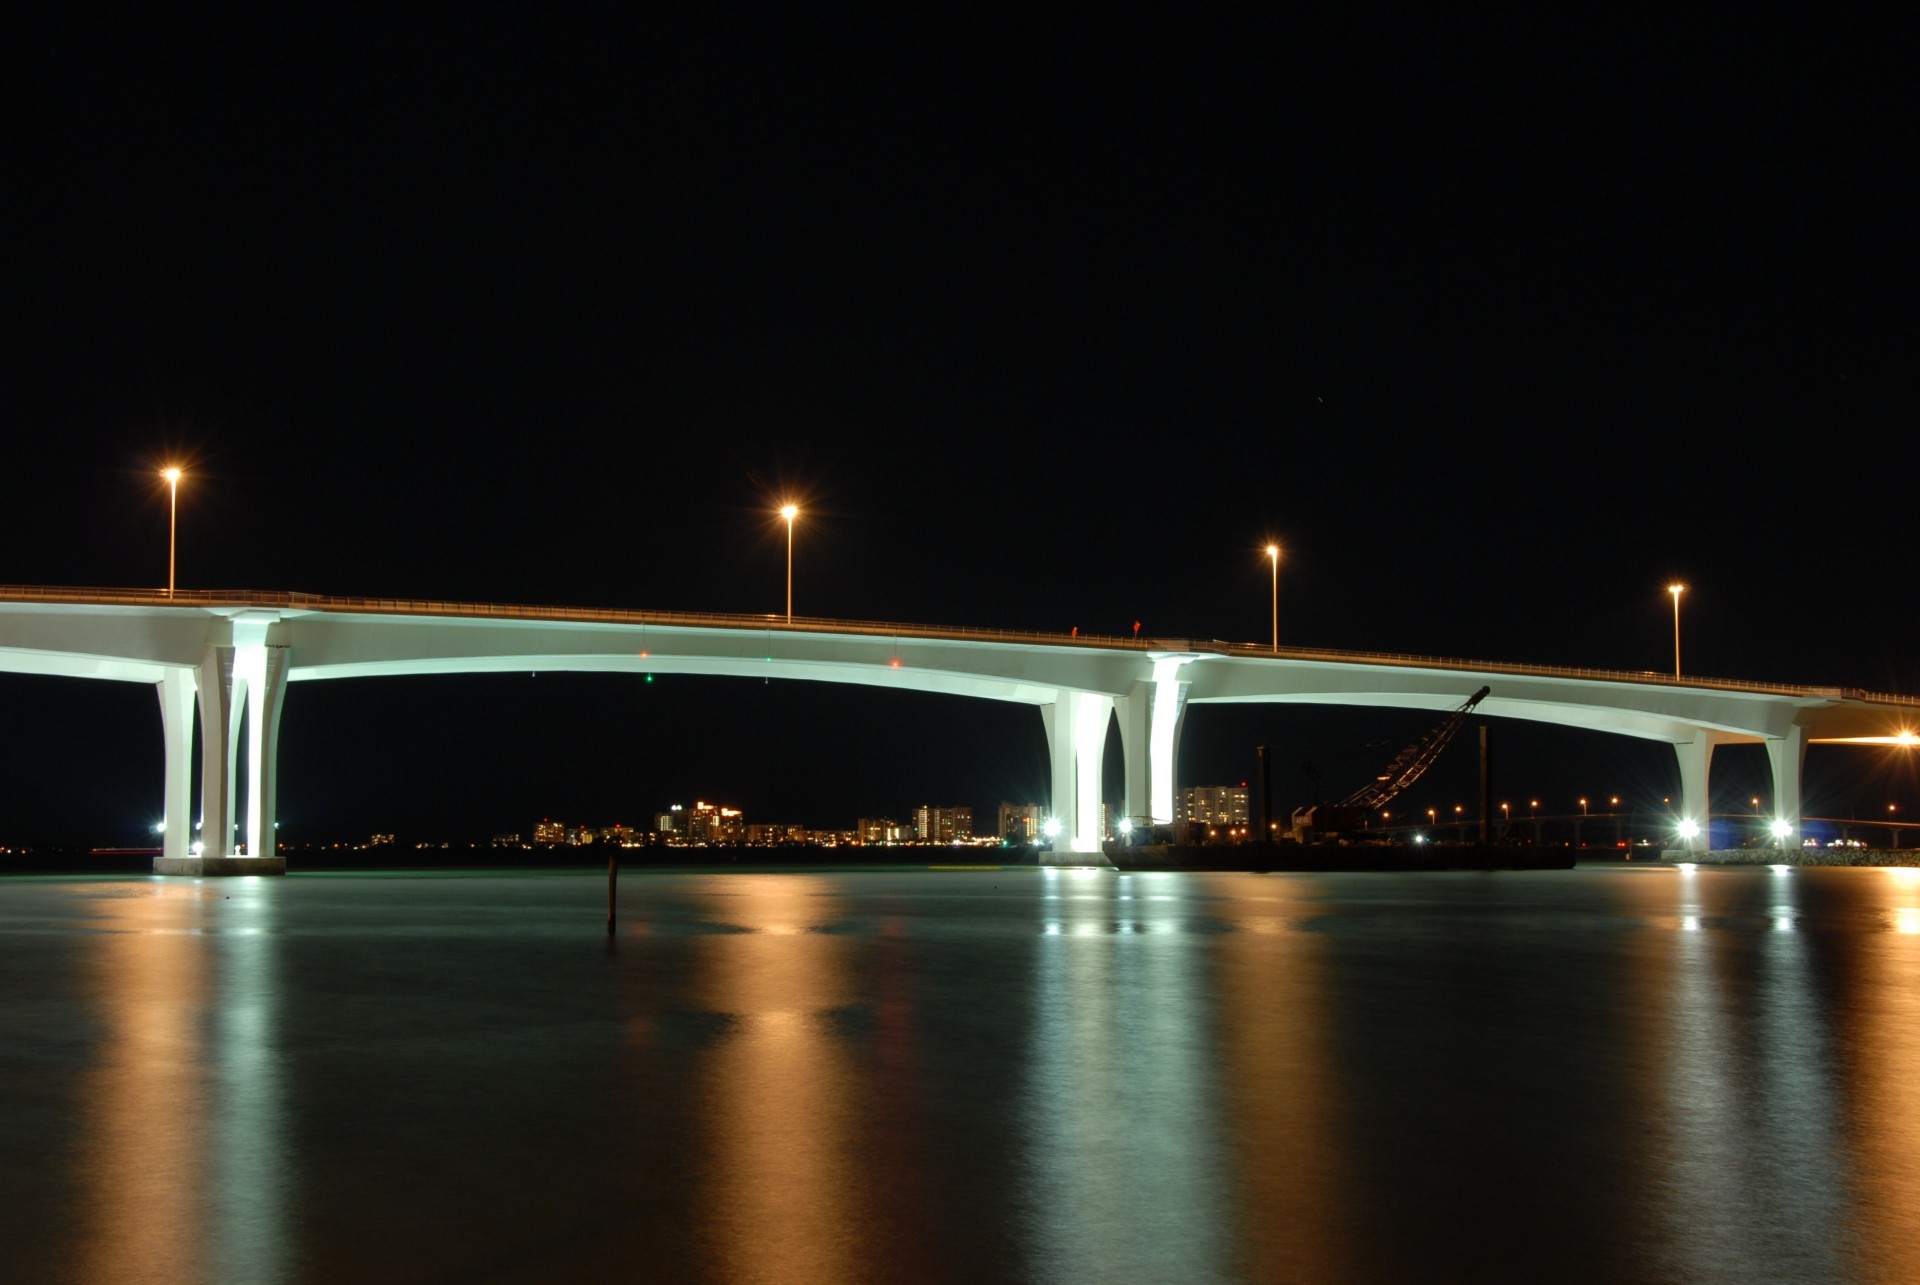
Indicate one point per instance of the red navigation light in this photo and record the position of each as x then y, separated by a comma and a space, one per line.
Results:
895, 662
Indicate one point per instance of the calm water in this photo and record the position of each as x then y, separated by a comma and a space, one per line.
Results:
1612, 1074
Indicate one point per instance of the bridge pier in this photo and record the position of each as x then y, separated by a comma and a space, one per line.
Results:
239, 683
1787, 757
1786, 762
1163, 750
1696, 761
1076, 724
177, 693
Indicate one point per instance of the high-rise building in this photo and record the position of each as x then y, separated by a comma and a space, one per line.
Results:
550, 831
1212, 804
942, 825
1021, 822
880, 830
711, 823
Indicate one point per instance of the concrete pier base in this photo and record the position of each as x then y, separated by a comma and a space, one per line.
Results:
1793, 857
209, 866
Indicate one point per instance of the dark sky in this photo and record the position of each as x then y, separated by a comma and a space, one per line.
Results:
1048, 322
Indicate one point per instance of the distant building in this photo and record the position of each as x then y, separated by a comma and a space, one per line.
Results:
942, 825
711, 823
554, 832
1212, 804
880, 830
671, 822
380, 841
507, 841
1021, 822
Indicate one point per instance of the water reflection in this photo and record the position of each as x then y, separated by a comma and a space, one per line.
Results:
1123, 1179
1281, 1089
183, 1153
1755, 1171
1589, 1075
1884, 1047
781, 1185
250, 1190
143, 1167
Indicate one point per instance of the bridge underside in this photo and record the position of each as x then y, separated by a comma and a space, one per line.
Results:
229, 666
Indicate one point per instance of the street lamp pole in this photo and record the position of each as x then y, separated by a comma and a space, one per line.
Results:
789, 512
1676, 589
1273, 555
173, 513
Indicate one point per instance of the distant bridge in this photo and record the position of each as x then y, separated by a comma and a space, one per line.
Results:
230, 655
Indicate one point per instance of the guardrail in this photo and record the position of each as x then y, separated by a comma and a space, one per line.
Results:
203, 599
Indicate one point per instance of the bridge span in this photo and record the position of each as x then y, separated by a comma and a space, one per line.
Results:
228, 656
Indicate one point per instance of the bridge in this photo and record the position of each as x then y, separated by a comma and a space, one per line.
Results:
228, 656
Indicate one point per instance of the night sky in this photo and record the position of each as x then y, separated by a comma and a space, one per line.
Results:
1046, 322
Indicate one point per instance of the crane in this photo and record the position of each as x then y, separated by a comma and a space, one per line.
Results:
1407, 767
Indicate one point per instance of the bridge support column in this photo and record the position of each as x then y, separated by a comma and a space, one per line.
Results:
1163, 752
245, 679
266, 691
1787, 756
220, 710
1696, 798
1135, 711
1076, 725
176, 692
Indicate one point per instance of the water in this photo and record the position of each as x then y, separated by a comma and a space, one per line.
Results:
1611, 1073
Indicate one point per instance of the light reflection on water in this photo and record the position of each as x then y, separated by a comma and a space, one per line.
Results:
777, 1192
1597, 1074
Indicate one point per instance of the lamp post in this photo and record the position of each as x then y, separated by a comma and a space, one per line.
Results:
789, 512
1676, 589
173, 512
1273, 556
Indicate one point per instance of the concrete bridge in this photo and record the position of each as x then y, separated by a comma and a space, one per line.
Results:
229, 655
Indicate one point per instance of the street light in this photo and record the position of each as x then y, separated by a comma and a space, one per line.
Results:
1676, 590
1273, 555
789, 512
173, 510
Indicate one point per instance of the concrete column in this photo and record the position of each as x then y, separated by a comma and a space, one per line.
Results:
1787, 756
266, 690
1076, 724
1696, 758
176, 693
220, 707
1169, 710
1136, 713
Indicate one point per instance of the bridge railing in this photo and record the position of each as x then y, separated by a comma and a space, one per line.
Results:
203, 599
